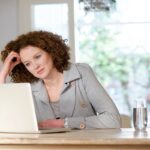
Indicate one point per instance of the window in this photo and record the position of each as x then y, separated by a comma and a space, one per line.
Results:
52, 15
43, 18
116, 45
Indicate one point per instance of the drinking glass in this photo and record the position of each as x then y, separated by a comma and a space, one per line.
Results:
140, 116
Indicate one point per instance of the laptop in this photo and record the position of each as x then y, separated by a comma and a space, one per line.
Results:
17, 111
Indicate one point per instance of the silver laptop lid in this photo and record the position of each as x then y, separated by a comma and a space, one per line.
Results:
17, 112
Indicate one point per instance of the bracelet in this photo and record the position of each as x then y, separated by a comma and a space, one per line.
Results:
66, 123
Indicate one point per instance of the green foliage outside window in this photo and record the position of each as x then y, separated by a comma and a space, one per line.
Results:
98, 48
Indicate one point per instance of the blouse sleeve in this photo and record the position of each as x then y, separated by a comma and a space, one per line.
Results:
107, 113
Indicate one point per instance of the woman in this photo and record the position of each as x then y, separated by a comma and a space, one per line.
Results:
66, 95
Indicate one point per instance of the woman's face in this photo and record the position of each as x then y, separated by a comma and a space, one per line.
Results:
38, 62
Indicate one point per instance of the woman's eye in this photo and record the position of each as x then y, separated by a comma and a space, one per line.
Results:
38, 56
27, 65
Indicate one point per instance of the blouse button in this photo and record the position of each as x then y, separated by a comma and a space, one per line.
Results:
82, 126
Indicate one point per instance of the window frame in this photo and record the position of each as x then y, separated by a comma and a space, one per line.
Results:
25, 19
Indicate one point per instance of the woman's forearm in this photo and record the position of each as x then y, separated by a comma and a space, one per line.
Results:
2, 77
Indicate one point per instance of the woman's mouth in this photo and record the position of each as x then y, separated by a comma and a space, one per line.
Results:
40, 71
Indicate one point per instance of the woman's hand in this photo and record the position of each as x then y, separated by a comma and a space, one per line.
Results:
10, 62
51, 123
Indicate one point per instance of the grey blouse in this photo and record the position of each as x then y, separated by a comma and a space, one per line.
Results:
83, 101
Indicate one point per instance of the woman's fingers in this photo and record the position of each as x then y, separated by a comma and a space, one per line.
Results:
11, 61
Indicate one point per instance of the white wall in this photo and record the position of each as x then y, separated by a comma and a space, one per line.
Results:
8, 21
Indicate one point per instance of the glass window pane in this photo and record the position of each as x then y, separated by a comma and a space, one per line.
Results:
116, 45
133, 10
51, 17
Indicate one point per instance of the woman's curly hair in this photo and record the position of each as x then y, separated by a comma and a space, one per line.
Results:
49, 42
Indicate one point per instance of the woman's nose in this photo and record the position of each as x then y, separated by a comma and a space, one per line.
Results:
36, 66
